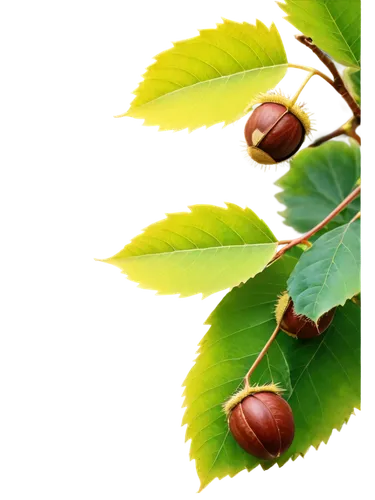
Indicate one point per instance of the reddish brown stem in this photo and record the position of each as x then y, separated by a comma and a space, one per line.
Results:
349, 129
338, 82
318, 227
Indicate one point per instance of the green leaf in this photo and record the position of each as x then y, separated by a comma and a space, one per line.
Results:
240, 326
211, 78
202, 251
334, 26
328, 273
352, 79
318, 180
325, 375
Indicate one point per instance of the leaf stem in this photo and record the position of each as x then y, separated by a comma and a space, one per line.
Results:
313, 71
260, 356
357, 216
332, 215
120, 115
297, 94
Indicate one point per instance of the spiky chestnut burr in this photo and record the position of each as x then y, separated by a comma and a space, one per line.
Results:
261, 421
298, 325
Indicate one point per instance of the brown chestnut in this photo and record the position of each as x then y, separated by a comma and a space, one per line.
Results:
263, 425
298, 325
273, 133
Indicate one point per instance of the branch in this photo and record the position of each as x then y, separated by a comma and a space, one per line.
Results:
338, 82
321, 224
349, 127
290, 244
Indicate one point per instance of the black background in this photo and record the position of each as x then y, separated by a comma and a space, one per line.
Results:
135, 349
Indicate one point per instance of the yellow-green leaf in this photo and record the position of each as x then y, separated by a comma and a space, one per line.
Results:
211, 78
202, 251
334, 26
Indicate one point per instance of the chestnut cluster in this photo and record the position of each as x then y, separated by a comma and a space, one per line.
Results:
260, 420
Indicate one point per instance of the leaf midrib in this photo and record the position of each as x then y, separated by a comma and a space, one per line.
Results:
330, 266
306, 367
221, 247
342, 36
260, 68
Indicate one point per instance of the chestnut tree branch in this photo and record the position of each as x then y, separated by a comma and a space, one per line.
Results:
318, 54
289, 244
349, 128
338, 82
318, 227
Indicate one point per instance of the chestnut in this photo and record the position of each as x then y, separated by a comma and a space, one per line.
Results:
298, 325
262, 424
273, 134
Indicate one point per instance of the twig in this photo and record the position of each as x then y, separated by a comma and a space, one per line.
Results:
319, 226
338, 82
349, 129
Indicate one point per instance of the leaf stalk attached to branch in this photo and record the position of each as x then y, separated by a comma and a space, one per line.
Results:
304, 238
349, 128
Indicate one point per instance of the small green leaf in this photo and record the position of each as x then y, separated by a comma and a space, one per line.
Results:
334, 26
318, 180
202, 251
352, 79
326, 381
240, 326
327, 274
211, 78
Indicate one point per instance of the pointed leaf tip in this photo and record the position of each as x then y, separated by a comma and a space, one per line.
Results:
183, 88
202, 251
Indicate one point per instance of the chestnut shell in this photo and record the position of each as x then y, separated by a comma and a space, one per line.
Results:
263, 425
275, 131
301, 326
